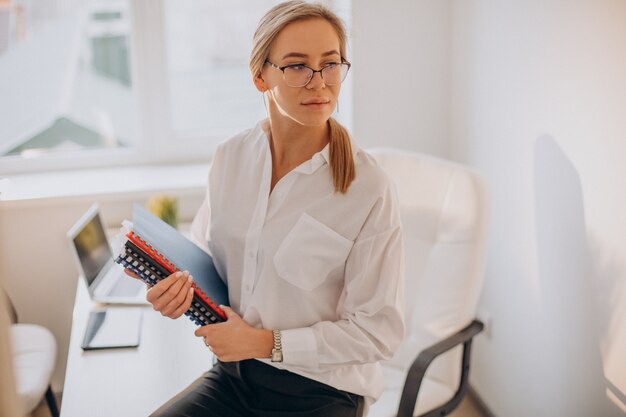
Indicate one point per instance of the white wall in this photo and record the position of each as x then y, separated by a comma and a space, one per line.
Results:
538, 104
401, 74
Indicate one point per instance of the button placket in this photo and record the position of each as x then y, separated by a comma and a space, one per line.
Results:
249, 271
250, 262
279, 193
254, 232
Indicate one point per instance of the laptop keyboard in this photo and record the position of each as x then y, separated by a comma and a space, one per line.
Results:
126, 287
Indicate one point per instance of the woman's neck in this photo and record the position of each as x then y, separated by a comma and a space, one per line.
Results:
292, 143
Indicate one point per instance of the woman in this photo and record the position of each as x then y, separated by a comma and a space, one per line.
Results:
304, 228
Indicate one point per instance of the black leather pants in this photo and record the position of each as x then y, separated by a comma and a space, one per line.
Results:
254, 389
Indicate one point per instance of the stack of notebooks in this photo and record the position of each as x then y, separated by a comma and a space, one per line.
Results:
153, 250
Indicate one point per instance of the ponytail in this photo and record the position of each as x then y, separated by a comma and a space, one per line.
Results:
340, 155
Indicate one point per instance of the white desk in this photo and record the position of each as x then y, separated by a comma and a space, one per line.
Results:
130, 382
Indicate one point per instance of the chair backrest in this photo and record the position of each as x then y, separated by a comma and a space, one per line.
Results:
9, 402
10, 307
444, 217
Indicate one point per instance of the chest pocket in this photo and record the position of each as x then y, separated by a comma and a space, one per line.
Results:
309, 252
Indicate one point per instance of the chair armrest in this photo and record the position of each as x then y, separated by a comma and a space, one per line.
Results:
418, 369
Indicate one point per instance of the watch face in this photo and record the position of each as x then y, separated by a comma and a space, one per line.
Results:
277, 356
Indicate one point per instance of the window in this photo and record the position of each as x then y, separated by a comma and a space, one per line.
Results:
65, 69
209, 82
106, 82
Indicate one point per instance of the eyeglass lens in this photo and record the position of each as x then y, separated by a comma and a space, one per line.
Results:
298, 76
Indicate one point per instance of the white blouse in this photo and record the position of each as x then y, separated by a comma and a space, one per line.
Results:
323, 267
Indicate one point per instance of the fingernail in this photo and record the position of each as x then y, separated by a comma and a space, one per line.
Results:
179, 274
190, 279
186, 273
191, 290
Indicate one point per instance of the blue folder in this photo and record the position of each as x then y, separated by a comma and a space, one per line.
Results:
179, 251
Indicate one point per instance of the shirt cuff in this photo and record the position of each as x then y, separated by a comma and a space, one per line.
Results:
299, 347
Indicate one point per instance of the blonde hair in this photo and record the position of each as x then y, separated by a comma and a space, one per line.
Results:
340, 149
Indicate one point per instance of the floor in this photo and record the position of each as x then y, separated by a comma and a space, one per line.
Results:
467, 408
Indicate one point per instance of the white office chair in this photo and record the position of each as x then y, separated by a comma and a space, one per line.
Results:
444, 215
34, 355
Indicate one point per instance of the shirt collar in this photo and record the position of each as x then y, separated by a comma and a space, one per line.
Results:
317, 160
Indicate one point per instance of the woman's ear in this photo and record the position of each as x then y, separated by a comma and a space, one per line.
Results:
259, 83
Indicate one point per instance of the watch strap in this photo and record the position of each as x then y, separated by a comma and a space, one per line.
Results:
277, 350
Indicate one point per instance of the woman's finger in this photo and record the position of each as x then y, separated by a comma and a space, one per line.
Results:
161, 303
163, 286
184, 306
131, 274
178, 299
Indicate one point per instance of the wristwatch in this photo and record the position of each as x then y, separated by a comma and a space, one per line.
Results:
277, 350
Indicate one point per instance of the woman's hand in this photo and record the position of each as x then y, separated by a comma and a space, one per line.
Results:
133, 275
171, 296
235, 340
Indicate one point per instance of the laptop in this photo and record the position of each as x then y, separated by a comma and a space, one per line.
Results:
105, 279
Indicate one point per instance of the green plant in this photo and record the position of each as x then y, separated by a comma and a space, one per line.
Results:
165, 208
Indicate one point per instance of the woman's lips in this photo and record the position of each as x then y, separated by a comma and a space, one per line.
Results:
316, 103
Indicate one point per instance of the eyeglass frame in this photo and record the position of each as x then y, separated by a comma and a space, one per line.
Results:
313, 71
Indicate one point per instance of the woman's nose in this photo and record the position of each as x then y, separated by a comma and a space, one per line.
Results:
316, 82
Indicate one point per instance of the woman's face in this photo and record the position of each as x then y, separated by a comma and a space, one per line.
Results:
313, 43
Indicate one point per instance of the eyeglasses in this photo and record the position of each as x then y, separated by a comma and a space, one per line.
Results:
299, 75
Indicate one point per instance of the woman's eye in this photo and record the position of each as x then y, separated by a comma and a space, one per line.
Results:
331, 64
298, 67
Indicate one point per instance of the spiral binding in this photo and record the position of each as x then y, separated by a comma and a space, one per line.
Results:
151, 267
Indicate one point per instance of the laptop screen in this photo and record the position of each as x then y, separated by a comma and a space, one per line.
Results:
92, 248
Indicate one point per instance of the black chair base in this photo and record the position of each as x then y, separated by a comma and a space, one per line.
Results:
52, 402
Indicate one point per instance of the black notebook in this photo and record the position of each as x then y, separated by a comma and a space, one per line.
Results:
153, 250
